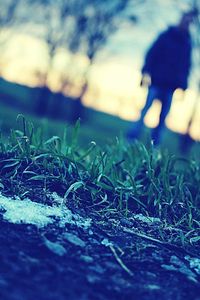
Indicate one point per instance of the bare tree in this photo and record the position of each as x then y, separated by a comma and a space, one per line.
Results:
77, 25
8, 17
96, 23
82, 26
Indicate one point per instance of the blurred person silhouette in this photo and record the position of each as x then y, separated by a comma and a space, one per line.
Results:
166, 68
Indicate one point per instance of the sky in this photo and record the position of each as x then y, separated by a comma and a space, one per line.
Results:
115, 75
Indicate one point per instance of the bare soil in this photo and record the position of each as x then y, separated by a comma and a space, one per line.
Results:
113, 261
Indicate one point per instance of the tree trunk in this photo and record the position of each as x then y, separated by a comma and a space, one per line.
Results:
79, 110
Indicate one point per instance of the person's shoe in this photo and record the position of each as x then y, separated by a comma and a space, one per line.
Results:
155, 136
131, 136
134, 132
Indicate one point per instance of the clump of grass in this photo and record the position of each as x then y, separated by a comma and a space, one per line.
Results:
119, 176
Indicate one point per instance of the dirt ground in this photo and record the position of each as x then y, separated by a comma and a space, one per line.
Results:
109, 260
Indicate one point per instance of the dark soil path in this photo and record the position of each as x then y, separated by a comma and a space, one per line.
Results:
102, 262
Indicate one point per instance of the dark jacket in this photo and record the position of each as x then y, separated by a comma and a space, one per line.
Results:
168, 60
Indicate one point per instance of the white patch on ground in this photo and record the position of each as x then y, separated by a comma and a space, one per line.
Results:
194, 263
106, 243
178, 265
72, 238
56, 248
15, 210
145, 219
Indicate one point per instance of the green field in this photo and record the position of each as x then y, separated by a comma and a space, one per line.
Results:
96, 166
97, 126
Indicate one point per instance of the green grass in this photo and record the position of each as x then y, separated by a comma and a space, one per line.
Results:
116, 177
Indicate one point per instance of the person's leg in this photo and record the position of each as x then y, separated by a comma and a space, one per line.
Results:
152, 95
166, 99
135, 131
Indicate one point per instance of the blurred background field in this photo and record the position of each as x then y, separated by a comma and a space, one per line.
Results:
99, 127
82, 58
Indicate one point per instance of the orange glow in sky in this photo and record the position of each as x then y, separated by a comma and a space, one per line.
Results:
114, 84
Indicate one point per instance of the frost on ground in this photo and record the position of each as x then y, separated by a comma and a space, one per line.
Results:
145, 219
25, 211
179, 266
194, 263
